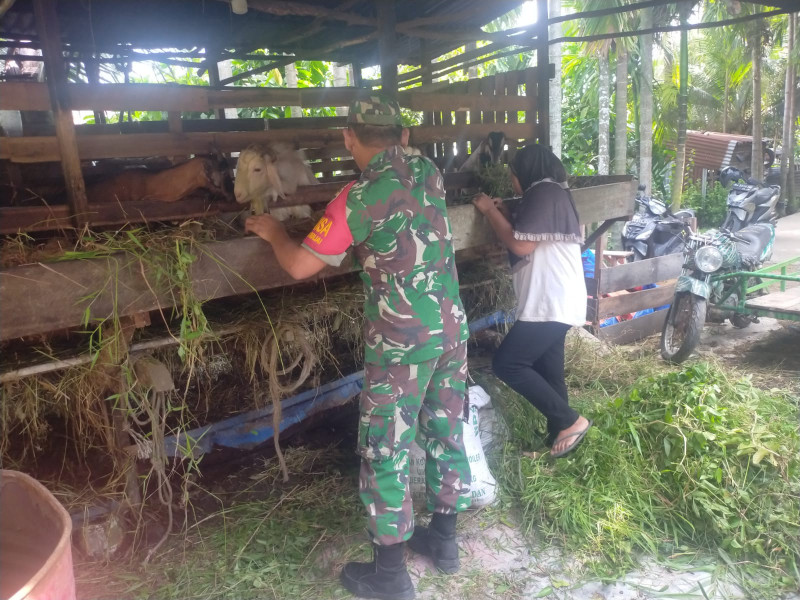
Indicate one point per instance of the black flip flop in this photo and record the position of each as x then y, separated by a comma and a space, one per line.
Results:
578, 435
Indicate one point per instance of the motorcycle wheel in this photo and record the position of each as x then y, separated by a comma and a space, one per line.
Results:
682, 327
740, 321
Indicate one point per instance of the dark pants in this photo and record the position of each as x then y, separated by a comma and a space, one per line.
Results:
531, 362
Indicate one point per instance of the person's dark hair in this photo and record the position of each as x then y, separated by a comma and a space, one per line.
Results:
377, 135
535, 162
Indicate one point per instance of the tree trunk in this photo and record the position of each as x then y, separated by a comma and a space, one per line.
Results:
340, 75
757, 155
225, 70
683, 107
621, 108
788, 112
291, 81
472, 72
603, 81
555, 83
793, 203
646, 104
725, 102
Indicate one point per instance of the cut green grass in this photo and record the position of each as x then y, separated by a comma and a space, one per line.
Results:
694, 461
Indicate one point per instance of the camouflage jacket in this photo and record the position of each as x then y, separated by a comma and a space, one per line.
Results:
396, 219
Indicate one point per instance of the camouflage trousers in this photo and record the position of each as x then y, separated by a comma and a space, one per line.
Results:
398, 404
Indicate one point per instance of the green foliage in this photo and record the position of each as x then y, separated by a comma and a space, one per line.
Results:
711, 209
695, 460
495, 180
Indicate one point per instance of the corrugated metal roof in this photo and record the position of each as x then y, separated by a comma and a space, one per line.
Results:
714, 150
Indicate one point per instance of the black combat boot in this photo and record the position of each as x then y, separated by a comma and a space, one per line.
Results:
385, 578
438, 541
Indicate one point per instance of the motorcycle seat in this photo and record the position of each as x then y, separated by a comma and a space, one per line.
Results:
759, 235
764, 195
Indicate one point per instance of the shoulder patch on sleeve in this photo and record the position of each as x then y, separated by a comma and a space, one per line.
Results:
331, 235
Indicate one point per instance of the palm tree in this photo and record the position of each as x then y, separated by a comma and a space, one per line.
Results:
554, 10
601, 49
621, 112
646, 101
683, 101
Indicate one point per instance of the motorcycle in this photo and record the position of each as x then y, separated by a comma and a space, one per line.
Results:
749, 200
704, 291
654, 230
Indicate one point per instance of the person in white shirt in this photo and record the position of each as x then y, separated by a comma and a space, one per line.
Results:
543, 237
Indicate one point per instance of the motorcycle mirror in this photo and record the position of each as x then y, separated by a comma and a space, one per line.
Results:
642, 187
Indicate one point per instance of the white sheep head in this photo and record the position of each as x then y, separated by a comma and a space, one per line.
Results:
265, 173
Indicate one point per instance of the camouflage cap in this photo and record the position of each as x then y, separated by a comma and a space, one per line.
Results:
375, 109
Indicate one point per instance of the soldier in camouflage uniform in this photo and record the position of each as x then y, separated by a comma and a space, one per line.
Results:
415, 332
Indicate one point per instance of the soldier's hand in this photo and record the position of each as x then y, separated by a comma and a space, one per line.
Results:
264, 226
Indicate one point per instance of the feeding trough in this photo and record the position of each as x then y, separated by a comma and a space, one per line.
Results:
35, 553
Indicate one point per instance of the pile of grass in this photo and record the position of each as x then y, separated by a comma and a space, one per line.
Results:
495, 180
690, 462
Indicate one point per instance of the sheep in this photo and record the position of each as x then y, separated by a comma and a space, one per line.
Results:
488, 152
265, 173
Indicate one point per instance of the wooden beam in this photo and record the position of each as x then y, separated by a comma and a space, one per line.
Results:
591, 14
300, 9
222, 269
640, 272
47, 28
258, 70
46, 149
511, 36
386, 45
630, 303
447, 17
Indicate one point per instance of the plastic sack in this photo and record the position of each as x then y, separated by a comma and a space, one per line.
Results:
483, 487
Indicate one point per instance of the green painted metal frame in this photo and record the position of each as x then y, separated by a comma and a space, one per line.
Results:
764, 273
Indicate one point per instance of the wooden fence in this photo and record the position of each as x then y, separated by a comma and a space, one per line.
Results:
458, 114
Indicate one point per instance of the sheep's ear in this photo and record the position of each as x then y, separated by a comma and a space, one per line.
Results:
274, 178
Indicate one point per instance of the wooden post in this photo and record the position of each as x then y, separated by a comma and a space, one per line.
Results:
213, 76
543, 74
427, 78
50, 36
357, 79
386, 45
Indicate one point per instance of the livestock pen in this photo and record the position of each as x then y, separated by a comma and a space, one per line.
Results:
121, 316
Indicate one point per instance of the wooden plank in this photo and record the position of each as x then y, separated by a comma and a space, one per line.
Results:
387, 42
499, 92
48, 29
487, 91
788, 301
24, 96
633, 330
186, 98
45, 148
451, 133
604, 202
166, 97
459, 102
222, 269
640, 272
630, 303
532, 95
